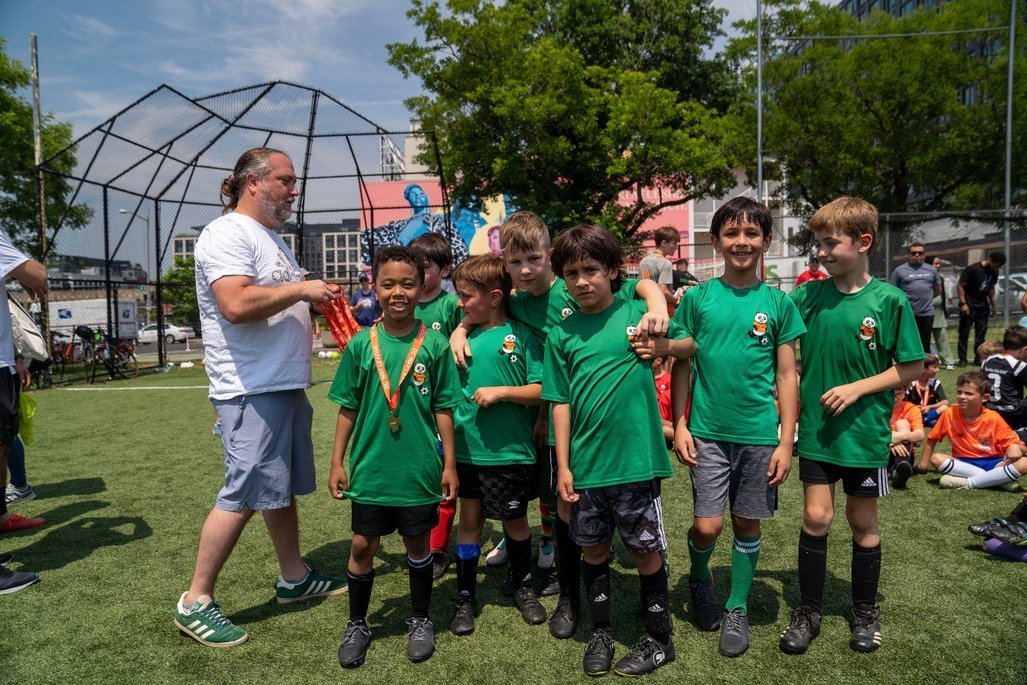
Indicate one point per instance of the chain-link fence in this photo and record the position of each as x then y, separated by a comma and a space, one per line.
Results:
150, 178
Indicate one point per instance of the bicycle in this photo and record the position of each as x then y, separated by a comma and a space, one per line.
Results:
114, 355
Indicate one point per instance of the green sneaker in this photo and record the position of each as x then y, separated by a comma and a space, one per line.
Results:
316, 584
205, 623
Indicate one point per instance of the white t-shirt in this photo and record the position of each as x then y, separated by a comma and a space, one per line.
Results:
10, 259
656, 267
261, 356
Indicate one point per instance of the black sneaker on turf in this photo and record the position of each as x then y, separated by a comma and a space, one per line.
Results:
13, 581
802, 628
704, 603
564, 621
550, 584
463, 617
598, 653
439, 564
903, 472
420, 639
354, 643
866, 627
532, 610
734, 633
987, 528
646, 656
1011, 534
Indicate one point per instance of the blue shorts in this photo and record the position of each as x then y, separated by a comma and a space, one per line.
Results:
269, 455
985, 463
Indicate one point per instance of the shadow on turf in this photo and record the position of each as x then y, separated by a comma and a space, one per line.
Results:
79, 538
72, 486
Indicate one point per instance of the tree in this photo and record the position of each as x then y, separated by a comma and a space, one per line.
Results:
19, 216
179, 290
909, 124
565, 105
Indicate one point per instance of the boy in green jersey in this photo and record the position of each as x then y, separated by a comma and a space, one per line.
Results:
437, 309
610, 450
731, 442
396, 386
494, 453
857, 328
541, 302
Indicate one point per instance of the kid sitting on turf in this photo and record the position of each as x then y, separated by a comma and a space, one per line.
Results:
542, 301
1008, 372
730, 441
907, 431
439, 312
396, 386
856, 327
926, 392
494, 453
610, 450
985, 450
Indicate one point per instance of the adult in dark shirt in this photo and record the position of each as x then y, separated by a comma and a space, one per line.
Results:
976, 289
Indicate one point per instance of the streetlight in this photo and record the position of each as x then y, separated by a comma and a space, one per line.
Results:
145, 220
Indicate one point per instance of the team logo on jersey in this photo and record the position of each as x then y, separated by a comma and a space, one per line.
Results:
631, 332
565, 312
759, 328
436, 326
420, 376
866, 333
984, 442
509, 347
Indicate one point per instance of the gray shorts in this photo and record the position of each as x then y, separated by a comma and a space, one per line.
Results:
269, 455
633, 509
736, 472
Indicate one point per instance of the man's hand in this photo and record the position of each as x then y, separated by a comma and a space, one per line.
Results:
487, 396
23, 373
780, 465
684, 446
653, 324
319, 291
450, 484
338, 481
837, 399
565, 486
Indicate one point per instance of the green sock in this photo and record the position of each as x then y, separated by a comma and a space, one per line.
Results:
700, 558
744, 555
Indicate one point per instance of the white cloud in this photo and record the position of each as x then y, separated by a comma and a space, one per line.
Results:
81, 27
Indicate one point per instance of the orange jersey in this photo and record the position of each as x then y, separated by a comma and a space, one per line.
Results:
910, 412
988, 436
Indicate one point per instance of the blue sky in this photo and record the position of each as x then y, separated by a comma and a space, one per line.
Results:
98, 57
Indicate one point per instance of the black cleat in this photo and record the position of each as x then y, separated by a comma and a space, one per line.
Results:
353, 647
866, 628
439, 564
463, 617
564, 621
646, 656
598, 653
803, 627
704, 603
550, 584
734, 633
532, 610
420, 639
903, 472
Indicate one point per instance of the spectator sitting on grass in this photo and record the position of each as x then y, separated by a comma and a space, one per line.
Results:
926, 392
907, 431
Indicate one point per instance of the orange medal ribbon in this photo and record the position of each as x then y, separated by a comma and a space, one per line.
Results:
383, 377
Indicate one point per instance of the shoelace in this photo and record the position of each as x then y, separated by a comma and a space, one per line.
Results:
863, 618
421, 629
733, 622
800, 622
212, 614
643, 649
599, 643
353, 631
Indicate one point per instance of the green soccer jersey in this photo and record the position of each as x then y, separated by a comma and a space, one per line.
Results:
501, 434
616, 432
541, 312
849, 338
440, 314
399, 469
737, 332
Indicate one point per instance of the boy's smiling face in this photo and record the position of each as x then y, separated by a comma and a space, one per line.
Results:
590, 283
529, 269
839, 253
477, 305
398, 288
741, 243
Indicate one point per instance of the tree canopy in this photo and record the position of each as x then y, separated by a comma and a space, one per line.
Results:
570, 105
908, 123
19, 217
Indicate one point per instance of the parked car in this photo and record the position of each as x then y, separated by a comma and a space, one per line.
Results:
171, 333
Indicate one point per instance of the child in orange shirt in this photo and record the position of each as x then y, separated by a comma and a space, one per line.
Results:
907, 430
985, 450
661, 377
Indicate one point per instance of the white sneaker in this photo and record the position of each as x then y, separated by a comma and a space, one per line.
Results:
13, 495
546, 554
954, 482
498, 555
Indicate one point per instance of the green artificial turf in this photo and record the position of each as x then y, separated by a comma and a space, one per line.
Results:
126, 474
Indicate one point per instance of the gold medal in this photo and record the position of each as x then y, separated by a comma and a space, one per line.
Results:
392, 399
394, 424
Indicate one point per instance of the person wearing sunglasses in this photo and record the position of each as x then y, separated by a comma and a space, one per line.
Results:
922, 283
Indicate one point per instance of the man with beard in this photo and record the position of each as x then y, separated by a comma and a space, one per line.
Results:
254, 315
